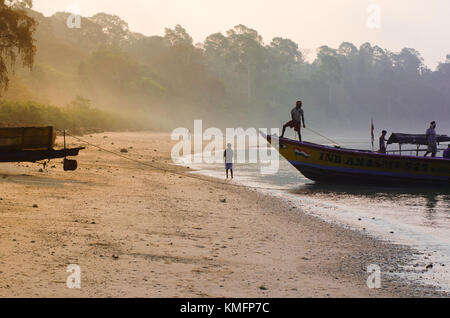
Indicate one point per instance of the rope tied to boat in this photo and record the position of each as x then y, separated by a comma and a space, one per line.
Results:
325, 137
171, 170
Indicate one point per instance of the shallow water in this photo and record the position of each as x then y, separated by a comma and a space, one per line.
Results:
417, 217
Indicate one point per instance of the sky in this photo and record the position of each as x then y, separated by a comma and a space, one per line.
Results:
392, 24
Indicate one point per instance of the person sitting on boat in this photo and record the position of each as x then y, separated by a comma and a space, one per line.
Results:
431, 140
447, 153
298, 117
383, 142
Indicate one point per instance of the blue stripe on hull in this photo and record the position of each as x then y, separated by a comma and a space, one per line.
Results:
362, 173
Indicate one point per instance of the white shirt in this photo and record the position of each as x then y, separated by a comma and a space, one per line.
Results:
431, 136
382, 142
229, 155
297, 114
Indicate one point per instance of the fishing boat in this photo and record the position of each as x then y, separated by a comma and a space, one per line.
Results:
334, 164
33, 144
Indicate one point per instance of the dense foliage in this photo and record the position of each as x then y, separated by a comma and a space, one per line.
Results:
77, 115
16, 37
232, 79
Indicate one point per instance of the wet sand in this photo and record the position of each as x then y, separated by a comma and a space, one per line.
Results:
136, 231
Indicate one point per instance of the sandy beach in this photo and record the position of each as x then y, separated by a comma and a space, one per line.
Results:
136, 231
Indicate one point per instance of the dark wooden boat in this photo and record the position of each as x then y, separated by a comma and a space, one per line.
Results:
329, 164
32, 144
37, 155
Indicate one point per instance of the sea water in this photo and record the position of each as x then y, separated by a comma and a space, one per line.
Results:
417, 217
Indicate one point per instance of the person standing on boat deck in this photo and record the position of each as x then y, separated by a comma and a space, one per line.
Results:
228, 155
431, 140
297, 116
447, 153
383, 142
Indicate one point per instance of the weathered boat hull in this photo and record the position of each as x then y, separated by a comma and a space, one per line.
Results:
33, 156
27, 138
337, 165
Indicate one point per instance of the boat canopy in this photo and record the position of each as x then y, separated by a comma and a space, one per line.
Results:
398, 138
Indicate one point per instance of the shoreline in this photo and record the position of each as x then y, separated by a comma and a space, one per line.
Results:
398, 268
427, 267
141, 232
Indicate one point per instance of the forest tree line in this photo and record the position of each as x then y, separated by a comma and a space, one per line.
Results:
231, 79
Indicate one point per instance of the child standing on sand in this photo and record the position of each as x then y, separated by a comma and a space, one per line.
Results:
228, 155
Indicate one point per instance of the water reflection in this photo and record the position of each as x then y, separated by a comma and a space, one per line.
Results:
432, 201
425, 205
367, 190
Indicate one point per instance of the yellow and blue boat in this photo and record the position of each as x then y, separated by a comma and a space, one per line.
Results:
333, 164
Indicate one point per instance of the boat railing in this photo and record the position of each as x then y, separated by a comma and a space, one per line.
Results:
413, 150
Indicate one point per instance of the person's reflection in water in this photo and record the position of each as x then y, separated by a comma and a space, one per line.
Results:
432, 201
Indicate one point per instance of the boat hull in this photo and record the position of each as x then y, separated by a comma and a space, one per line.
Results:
337, 165
33, 156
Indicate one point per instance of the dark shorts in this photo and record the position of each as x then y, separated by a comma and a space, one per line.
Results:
229, 166
432, 148
293, 124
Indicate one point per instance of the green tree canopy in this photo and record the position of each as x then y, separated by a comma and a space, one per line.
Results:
16, 38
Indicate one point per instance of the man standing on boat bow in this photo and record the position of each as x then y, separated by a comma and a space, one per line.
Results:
431, 140
298, 117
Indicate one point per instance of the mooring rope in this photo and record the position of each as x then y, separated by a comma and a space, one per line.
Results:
169, 170
325, 137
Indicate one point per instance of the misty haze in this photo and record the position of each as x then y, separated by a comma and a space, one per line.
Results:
138, 160
231, 79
